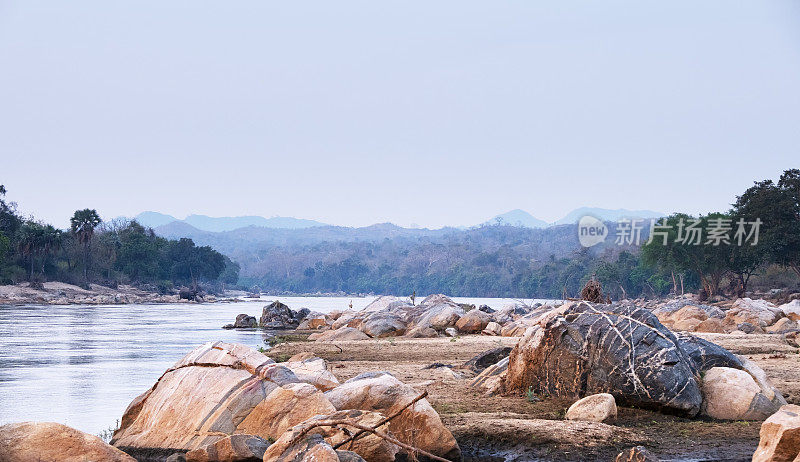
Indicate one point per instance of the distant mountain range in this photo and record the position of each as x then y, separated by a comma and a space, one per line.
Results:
221, 224
522, 218
193, 224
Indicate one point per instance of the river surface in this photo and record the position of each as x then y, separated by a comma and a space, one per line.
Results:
81, 365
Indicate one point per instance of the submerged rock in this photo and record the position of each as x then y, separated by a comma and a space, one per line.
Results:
53, 442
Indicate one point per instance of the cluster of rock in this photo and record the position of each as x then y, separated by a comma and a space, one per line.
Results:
744, 316
387, 316
59, 293
252, 408
582, 348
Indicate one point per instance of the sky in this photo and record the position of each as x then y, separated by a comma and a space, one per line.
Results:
427, 113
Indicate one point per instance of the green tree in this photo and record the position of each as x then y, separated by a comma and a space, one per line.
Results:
82, 224
777, 206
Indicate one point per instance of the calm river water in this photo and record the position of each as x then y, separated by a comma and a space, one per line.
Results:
81, 365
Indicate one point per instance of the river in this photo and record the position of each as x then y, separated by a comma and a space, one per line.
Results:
81, 365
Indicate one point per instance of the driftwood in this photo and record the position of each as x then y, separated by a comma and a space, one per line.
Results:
387, 419
362, 429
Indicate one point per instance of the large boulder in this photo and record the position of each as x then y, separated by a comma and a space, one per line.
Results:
277, 314
582, 348
791, 310
341, 334
313, 371
780, 436
234, 448
759, 313
235, 381
473, 321
284, 408
733, 394
418, 425
594, 408
383, 324
53, 442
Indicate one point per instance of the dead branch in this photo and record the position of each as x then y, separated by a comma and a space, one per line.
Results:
335, 423
387, 419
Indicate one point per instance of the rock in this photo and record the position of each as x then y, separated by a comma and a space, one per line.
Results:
349, 456
368, 375
53, 442
451, 332
418, 425
759, 313
368, 446
483, 360
421, 332
492, 380
763, 382
704, 355
383, 324
314, 321
349, 319
492, 329
791, 310
636, 454
732, 394
385, 302
486, 309
245, 321
341, 334
746, 327
622, 349
301, 314
780, 436
285, 407
234, 448
310, 447
473, 322
513, 329
235, 381
711, 325
302, 356
593, 408
313, 371
277, 312
783, 325
176, 457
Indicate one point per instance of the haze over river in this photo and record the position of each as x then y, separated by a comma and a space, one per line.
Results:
81, 365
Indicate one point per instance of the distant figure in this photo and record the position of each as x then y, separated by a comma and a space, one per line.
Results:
351, 304
413, 297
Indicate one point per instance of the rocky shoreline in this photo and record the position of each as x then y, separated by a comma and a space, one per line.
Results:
437, 381
59, 293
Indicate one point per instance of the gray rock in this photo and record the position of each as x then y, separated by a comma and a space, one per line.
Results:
383, 324
245, 321
705, 355
483, 360
277, 311
621, 349
746, 327
368, 375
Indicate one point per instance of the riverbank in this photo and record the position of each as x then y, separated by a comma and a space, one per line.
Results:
516, 428
60, 293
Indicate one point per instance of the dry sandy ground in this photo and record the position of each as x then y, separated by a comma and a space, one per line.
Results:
511, 428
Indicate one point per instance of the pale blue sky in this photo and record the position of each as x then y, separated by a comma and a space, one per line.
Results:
412, 112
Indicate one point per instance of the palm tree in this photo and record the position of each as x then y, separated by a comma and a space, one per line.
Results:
83, 223
51, 240
29, 242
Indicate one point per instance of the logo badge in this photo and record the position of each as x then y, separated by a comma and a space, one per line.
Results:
591, 231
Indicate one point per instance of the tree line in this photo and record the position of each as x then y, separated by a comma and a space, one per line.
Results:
509, 261
109, 253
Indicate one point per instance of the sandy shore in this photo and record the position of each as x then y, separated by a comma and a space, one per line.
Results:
513, 428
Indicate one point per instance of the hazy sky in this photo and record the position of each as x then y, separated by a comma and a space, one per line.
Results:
412, 112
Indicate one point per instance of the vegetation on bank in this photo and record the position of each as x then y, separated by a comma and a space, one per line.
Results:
119, 251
